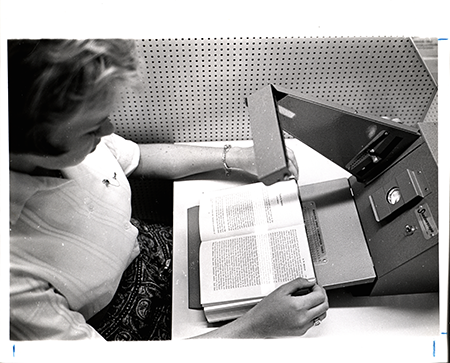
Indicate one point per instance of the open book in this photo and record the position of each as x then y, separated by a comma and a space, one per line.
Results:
253, 240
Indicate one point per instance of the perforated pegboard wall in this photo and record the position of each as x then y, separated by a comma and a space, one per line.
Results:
194, 89
432, 114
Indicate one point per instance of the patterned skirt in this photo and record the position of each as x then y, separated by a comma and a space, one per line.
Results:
142, 306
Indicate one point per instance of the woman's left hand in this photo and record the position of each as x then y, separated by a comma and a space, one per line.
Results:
292, 163
244, 158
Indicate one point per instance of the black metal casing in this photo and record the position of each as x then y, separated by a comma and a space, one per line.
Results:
384, 157
404, 245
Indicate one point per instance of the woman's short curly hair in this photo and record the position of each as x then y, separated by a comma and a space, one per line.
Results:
51, 79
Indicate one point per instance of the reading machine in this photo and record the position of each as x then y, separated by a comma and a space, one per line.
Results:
376, 231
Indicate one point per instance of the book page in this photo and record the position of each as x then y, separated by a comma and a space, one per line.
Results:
252, 266
249, 208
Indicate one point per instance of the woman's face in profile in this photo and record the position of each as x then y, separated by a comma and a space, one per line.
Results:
79, 135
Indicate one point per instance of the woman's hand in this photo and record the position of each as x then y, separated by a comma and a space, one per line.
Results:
280, 314
243, 158
283, 314
292, 163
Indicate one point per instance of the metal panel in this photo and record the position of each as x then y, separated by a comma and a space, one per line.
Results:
346, 259
194, 89
408, 234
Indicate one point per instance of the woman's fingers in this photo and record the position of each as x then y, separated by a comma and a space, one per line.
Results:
317, 296
292, 163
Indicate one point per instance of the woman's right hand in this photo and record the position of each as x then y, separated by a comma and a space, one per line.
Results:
280, 314
283, 314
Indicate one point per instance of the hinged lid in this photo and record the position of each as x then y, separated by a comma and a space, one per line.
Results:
362, 144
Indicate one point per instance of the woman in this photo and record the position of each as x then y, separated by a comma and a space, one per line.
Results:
81, 267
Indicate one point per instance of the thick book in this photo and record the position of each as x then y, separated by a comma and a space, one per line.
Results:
253, 240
